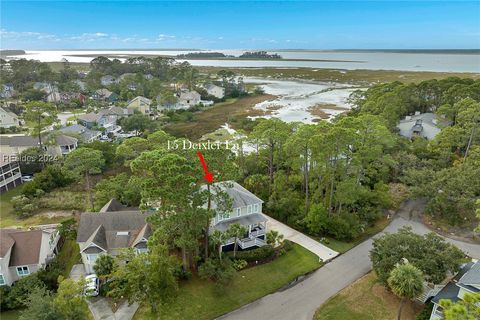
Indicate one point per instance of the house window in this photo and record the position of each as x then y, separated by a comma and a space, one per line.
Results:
142, 250
23, 271
92, 257
2, 280
239, 212
223, 216
249, 209
122, 233
255, 208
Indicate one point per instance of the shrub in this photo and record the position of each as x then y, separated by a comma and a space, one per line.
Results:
5, 298
259, 254
62, 200
23, 206
50, 178
344, 227
239, 264
425, 313
219, 271
22, 289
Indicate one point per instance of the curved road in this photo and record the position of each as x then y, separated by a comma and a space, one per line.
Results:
302, 300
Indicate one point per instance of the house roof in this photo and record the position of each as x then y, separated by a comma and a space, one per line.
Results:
117, 111
243, 220
141, 100
450, 291
104, 92
241, 197
424, 124
25, 246
84, 132
27, 141
210, 86
102, 228
472, 276
113, 205
11, 114
89, 117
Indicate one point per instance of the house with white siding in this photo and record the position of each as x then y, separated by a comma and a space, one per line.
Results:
8, 119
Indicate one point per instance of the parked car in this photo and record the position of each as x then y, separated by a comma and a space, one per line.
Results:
27, 177
92, 285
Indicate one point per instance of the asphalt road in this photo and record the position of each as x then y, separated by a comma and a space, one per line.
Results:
302, 300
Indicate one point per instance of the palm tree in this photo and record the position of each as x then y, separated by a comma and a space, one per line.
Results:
218, 238
236, 230
406, 281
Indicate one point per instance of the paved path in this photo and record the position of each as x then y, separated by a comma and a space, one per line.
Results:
99, 306
322, 251
301, 301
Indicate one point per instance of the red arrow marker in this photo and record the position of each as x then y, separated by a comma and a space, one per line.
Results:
208, 175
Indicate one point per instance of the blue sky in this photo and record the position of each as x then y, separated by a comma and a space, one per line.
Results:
240, 24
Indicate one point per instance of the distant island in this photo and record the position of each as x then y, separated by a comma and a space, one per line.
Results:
5, 53
254, 55
260, 55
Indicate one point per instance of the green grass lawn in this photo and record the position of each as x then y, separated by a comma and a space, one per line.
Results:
365, 299
344, 246
199, 299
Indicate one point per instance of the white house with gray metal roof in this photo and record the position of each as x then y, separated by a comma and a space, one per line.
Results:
466, 281
246, 210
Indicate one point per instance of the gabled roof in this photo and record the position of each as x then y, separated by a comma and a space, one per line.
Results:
241, 197
112, 205
141, 100
102, 229
450, 291
143, 234
25, 246
84, 132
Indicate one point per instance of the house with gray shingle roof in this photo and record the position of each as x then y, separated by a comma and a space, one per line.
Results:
23, 252
85, 134
54, 144
112, 230
246, 210
467, 280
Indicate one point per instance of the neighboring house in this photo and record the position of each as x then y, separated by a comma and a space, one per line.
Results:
45, 87
107, 80
65, 97
247, 211
8, 119
25, 252
10, 174
148, 76
140, 104
84, 133
118, 112
214, 90
105, 95
467, 280
7, 91
81, 84
113, 229
188, 98
91, 120
419, 125
61, 145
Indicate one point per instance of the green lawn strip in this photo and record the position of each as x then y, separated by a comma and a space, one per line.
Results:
200, 299
365, 299
344, 246
69, 255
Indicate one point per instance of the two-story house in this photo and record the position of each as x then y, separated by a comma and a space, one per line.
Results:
101, 120
105, 95
140, 104
246, 210
110, 231
23, 252
55, 145
214, 90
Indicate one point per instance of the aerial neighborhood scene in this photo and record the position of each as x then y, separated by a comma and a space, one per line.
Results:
312, 160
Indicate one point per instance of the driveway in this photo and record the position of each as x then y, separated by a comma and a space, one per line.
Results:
323, 252
99, 306
302, 300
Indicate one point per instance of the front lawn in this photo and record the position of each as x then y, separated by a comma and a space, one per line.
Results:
343, 246
365, 299
199, 299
